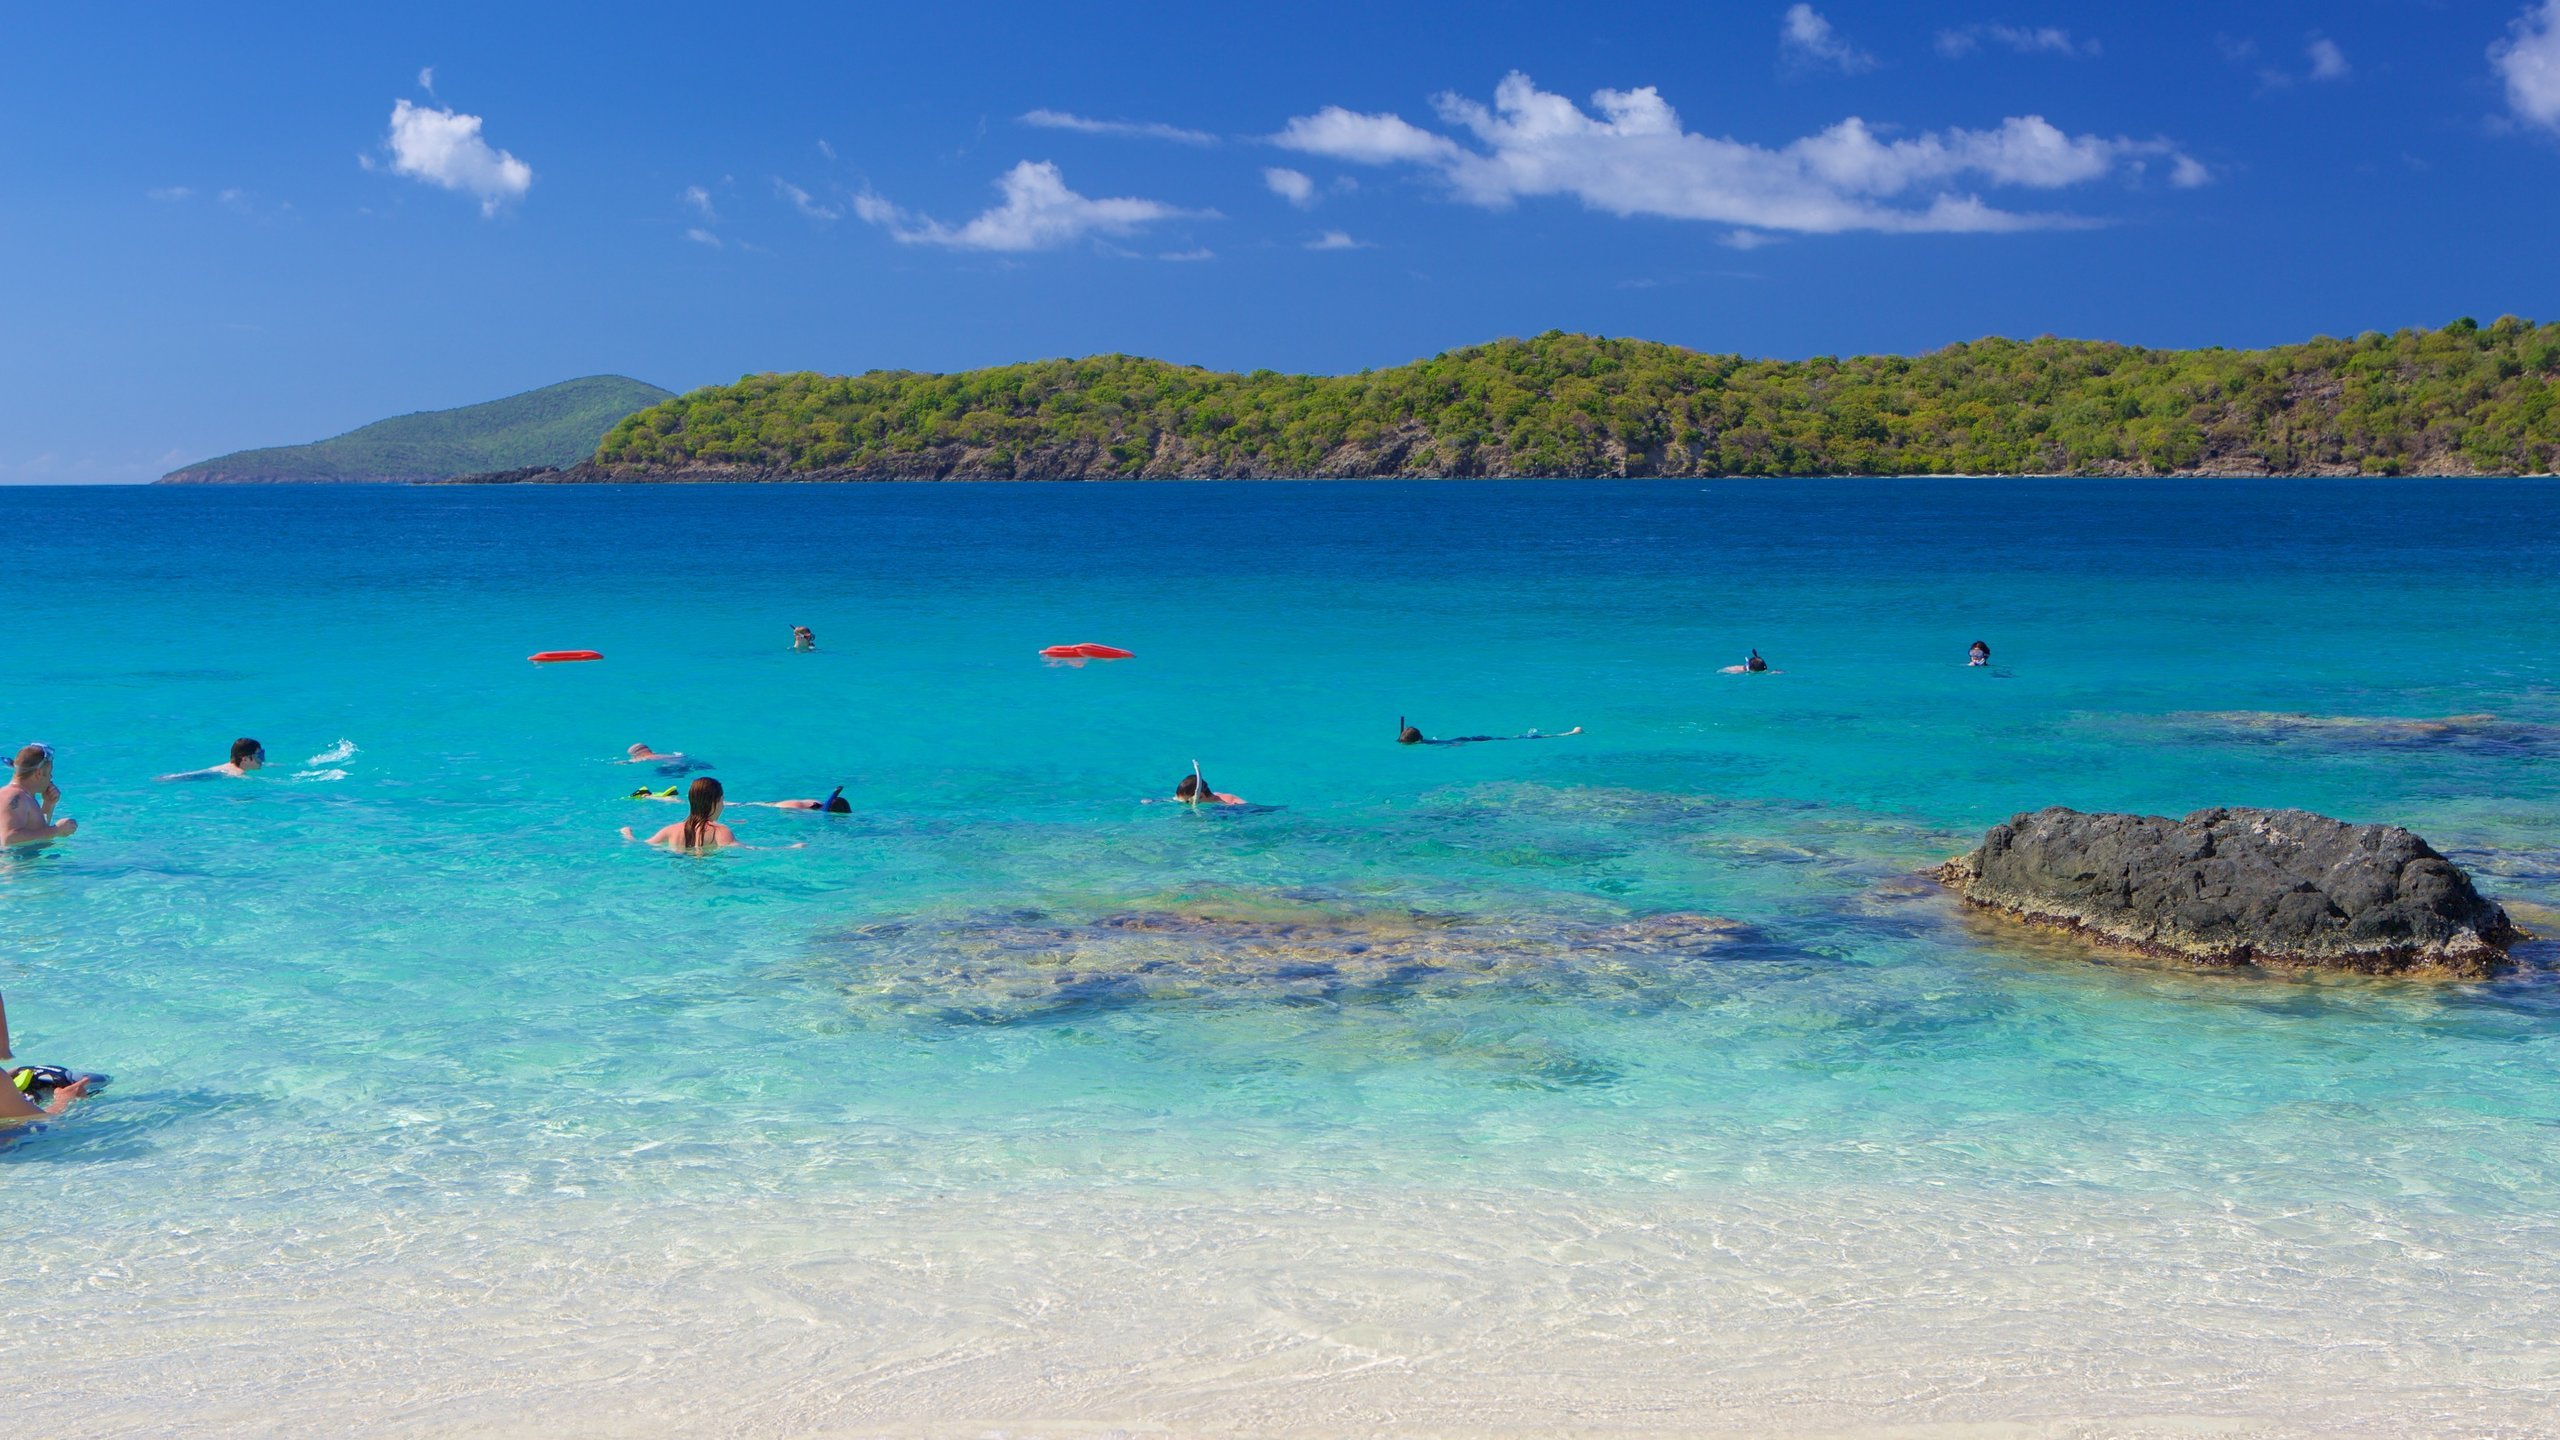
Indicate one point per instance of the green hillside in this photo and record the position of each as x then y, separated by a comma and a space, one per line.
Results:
555, 425
2461, 400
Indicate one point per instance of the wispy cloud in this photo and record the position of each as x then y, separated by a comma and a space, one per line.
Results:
806, 203
2528, 60
1290, 185
171, 194
2328, 62
1036, 211
1363, 139
444, 148
1336, 240
1806, 38
700, 236
826, 149
1196, 253
1634, 158
2023, 39
700, 200
427, 80
1124, 129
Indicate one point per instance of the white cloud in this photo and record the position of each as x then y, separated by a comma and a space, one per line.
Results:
1124, 129
444, 148
427, 79
1201, 252
2328, 62
1336, 240
700, 236
804, 202
1808, 39
1633, 158
2025, 40
1290, 185
2187, 172
826, 149
2529, 61
1367, 139
1747, 240
1038, 212
700, 199
171, 193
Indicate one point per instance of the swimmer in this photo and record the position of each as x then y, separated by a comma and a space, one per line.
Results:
700, 829
246, 755
1753, 666
16, 1104
27, 801
803, 638
1195, 791
1412, 735
1977, 654
834, 804
668, 762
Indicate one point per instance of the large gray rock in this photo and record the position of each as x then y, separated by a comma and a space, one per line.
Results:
2240, 887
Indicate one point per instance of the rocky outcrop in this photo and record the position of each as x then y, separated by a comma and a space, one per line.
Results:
2282, 888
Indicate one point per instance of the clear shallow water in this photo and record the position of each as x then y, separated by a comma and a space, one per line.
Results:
1010, 1100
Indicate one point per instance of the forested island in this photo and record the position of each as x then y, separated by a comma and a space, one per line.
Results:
2464, 399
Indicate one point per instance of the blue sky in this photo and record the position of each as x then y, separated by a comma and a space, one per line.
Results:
233, 226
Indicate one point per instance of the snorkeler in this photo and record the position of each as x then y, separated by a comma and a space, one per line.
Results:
700, 829
19, 1084
1977, 654
668, 762
1753, 666
246, 755
27, 801
834, 804
1412, 735
803, 638
1195, 791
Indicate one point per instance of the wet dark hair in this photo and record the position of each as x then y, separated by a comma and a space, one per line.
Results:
700, 801
1407, 734
836, 803
244, 747
1190, 788
1978, 645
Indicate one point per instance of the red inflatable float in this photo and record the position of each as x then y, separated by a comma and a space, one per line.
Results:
547, 657
1087, 652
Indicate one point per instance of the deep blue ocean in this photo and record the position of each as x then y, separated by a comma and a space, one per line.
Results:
1633, 1080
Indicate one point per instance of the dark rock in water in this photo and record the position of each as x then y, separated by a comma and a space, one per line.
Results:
2240, 887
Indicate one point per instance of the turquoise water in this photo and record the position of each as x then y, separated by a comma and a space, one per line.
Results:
1420, 1097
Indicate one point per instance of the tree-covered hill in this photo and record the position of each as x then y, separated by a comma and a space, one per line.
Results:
2461, 400
555, 425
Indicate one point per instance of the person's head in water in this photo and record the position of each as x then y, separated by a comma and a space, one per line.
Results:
639, 750
1978, 653
1755, 662
1191, 789
33, 765
1407, 734
248, 754
836, 803
702, 809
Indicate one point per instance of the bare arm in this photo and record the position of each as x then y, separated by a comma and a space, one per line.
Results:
14, 1106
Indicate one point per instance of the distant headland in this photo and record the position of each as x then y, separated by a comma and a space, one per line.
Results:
2467, 399
553, 426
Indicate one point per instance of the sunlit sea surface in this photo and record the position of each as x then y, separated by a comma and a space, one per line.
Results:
1627, 1083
